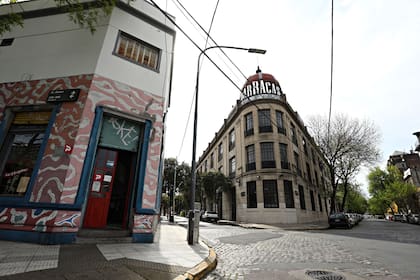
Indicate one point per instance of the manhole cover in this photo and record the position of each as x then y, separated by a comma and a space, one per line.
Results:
324, 275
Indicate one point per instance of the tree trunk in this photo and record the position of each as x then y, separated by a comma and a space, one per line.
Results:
343, 203
334, 190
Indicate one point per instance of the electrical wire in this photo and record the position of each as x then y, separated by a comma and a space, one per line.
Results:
214, 42
331, 73
193, 95
209, 58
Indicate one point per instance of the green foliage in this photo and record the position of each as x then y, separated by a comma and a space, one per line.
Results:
355, 202
387, 187
85, 14
182, 182
211, 182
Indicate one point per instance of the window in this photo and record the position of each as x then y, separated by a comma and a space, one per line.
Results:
212, 160
297, 162
320, 202
20, 151
302, 197
231, 139
205, 166
312, 200
137, 51
308, 170
270, 194
280, 125
232, 167
220, 152
267, 155
249, 125
251, 190
305, 147
264, 121
250, 157
284, 161
288, 194
293, 132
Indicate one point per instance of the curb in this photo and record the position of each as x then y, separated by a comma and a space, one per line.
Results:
201, 269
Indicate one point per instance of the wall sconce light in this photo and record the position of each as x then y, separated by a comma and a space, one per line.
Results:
296, 193
258, 177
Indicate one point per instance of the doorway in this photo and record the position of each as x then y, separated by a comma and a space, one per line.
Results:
110, 189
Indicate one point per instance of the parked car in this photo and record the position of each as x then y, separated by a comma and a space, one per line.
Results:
210, 216
340, 220
400, 218
413, 218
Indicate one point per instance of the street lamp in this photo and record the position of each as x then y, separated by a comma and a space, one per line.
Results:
193, 165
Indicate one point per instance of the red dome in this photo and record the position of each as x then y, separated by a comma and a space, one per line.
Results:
261, 83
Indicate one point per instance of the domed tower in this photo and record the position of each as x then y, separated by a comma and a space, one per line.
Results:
260, 84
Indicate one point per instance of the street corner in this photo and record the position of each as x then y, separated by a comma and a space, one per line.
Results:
201, 269
314, 274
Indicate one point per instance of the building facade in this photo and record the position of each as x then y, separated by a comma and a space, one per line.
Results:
82, 122
278, 172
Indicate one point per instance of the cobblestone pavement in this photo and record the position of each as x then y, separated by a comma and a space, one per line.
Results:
266, 254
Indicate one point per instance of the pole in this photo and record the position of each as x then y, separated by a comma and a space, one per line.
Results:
172, 199
193, 163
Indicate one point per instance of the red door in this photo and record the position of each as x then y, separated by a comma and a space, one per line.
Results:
100, 189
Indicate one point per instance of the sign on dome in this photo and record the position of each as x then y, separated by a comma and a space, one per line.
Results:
261, 87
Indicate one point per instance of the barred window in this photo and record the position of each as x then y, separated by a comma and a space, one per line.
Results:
283, 156
270, 194
280, 125
302, 197
288, 194
249, 124
251, 190
232, 167
137, 51
267, 155
250, 157
311, 193
264, 121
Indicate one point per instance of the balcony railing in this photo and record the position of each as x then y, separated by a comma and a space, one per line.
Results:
285, 164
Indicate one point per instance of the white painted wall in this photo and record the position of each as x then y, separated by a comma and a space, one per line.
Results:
130, 73
52, 46
49, 47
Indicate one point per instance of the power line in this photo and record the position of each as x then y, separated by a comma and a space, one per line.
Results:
209, 58
331, 73
193, 98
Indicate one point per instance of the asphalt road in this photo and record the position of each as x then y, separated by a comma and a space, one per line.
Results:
375, 229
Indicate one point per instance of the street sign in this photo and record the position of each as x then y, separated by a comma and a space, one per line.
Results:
63, 95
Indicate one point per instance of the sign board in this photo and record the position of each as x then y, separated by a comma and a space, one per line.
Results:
63, 95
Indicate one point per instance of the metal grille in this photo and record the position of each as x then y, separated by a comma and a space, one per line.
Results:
324, 275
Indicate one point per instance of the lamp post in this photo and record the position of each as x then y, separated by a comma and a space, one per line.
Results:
193, 164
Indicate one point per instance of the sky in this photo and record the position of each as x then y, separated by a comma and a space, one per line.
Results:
376, 64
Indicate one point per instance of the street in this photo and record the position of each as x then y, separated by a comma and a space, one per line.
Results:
375, 249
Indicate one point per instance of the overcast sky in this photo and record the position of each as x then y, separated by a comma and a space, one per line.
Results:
376, 64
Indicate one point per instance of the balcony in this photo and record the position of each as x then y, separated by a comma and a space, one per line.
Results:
250, 166
263, 129
249, 132
268, 164
285, 164
281, 130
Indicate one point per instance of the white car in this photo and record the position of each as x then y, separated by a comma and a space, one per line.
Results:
210, 216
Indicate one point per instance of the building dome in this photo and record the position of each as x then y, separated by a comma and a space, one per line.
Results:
261, 84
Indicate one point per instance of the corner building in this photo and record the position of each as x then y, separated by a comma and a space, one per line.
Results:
279, 173
82, 122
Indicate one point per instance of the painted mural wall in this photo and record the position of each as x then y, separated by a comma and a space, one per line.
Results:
59, 175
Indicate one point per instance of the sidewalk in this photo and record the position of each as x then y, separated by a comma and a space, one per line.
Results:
168, 257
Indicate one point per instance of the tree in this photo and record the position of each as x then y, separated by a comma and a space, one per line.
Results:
85, 14
179, 185
355, 202
212, 182
348, 145
388, 189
